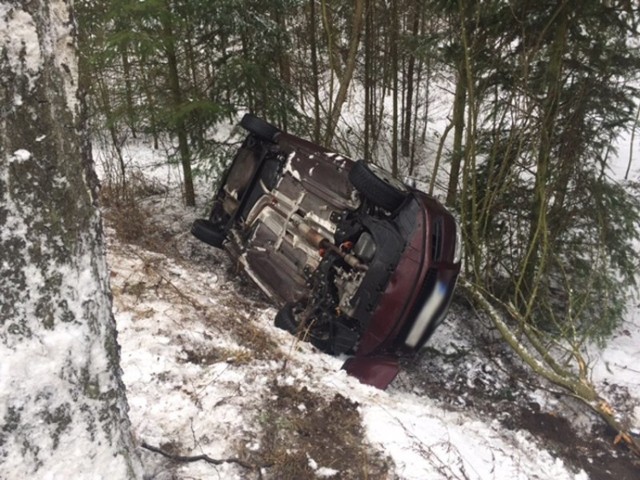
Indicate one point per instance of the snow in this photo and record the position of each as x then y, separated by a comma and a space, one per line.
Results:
322, 472
212, 406
19, 39
20, 155
174, 401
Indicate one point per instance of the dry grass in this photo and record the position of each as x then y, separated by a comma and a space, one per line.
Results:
124, 209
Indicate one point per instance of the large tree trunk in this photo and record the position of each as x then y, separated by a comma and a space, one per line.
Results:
62, 404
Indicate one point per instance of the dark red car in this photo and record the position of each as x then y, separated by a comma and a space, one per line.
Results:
359, 263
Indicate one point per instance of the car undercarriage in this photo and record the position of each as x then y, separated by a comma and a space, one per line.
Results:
358, 263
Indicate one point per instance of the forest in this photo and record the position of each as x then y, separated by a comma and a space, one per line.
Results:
539, 93
512, 112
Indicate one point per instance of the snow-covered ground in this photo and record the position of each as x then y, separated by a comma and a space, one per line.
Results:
204, 367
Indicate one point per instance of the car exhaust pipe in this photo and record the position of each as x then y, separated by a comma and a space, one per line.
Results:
319, 241
311, 235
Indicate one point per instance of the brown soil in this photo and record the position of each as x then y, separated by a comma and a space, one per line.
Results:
594, 453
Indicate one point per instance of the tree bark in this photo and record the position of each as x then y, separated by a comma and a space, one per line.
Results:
395, 71
409, 100
315, 71
534, 262
62, 401
633, 137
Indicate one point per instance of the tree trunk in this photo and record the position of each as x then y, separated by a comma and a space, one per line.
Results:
369, 82
408, 109
315, 72
395, 71
458, 123
633, 137
176, 94
534, 262
128, 90
345, 80
64, 411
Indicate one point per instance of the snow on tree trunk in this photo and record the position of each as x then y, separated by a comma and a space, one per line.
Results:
63, 411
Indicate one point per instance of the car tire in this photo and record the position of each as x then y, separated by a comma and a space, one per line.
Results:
208, 232
378, 187
285, 319
259, 127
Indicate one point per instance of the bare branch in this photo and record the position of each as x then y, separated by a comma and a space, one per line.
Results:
203, 458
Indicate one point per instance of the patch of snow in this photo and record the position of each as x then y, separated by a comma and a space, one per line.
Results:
288, 168
176, 401
20, 41
20, 155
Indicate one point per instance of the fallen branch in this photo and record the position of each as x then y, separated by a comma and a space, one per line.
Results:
578, 386
201, 458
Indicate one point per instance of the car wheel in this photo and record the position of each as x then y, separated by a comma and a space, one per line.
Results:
208, 232
285, 319
259, 127
377, 185
329, 337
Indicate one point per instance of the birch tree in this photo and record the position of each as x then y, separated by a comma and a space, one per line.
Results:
62, 404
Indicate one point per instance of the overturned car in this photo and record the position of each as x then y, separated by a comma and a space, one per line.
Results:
358, 262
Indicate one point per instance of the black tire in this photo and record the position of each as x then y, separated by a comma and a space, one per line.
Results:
286, 320
208, 232
377, 186
333, 339
259, 127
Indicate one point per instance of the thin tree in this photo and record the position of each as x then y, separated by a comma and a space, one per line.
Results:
176, 96
347, 74
549, 252
63, 401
